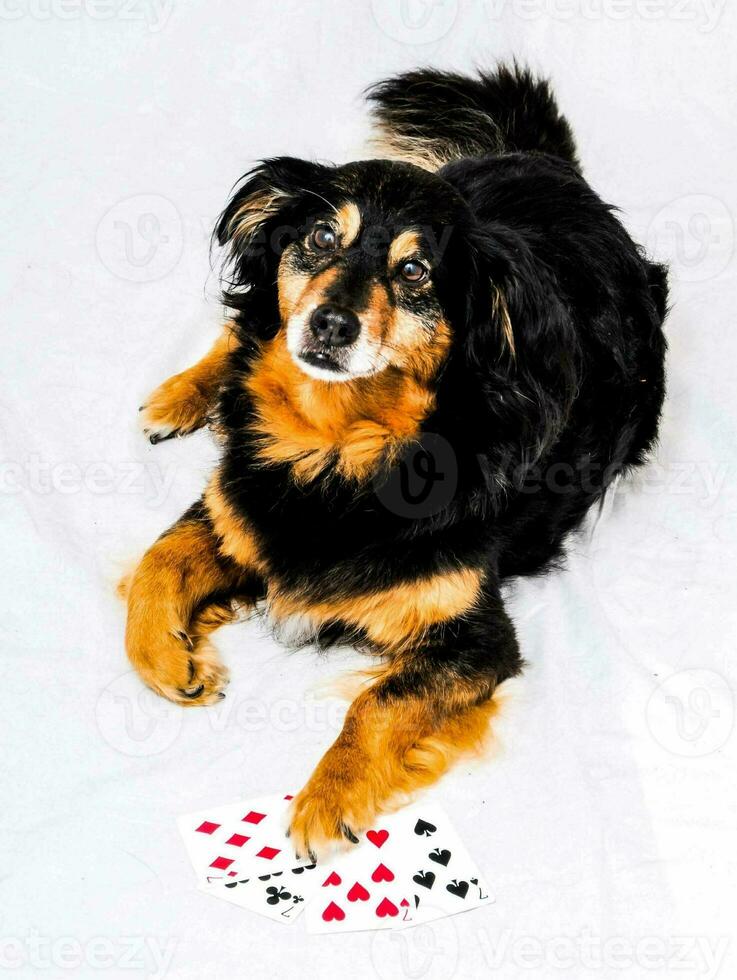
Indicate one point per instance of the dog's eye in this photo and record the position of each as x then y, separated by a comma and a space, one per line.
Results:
413, 271
324, 238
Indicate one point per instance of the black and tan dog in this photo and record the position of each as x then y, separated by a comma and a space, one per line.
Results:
473, 293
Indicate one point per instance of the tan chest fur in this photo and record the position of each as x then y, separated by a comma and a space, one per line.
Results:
391, 618
311, 423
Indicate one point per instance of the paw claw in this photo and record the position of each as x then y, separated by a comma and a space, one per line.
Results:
193, 692
348, 833
331, 809
187, 641
188, 673
176, 408
156, 437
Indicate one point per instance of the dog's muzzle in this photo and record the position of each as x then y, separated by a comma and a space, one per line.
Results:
331, 331
334, 326
332, 344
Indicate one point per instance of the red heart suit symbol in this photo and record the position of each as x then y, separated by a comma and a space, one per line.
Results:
357, 893
333, 911
332, 879
377, 837
382, 873
385, 907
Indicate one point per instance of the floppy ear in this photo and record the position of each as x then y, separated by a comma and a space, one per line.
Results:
515, 305
521, 341
263, 216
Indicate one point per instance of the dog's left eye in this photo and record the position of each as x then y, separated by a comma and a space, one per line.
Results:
413, 271
324, 238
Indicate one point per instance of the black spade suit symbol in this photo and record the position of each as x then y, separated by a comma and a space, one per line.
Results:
459, 888
424, 878
440, 856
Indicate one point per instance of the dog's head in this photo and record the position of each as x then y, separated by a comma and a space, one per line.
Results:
379, 271
369, 261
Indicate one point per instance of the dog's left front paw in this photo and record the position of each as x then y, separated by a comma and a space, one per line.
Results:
176, 408
336, 804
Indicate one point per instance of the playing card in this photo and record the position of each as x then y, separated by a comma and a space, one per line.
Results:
410, 868
281, 896
239, 840
360, 889
436, 871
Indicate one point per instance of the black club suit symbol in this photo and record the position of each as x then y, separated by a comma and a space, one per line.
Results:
277, 895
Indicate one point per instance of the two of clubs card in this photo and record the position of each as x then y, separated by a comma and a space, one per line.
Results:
410, 868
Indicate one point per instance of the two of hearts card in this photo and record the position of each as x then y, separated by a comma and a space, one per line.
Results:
410, 868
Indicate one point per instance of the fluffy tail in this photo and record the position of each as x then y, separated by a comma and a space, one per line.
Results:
429, 117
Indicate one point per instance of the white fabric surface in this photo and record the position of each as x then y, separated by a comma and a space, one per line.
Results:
606, 815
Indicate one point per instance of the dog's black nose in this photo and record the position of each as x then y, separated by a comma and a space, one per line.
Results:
334, 326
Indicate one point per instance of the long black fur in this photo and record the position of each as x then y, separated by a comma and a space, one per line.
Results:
537, 433
507, 111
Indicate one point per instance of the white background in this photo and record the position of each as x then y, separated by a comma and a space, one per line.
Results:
605, 816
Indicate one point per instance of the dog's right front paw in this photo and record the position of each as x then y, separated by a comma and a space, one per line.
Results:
176, 408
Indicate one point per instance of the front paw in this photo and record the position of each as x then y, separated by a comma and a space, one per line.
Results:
176, 408
184, 668
336, 804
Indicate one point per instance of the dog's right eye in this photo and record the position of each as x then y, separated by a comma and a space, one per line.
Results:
323, 238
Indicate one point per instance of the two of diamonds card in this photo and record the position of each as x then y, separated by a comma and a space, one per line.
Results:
411, 867
240, 853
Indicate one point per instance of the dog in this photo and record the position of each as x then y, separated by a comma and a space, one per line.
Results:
462, 311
